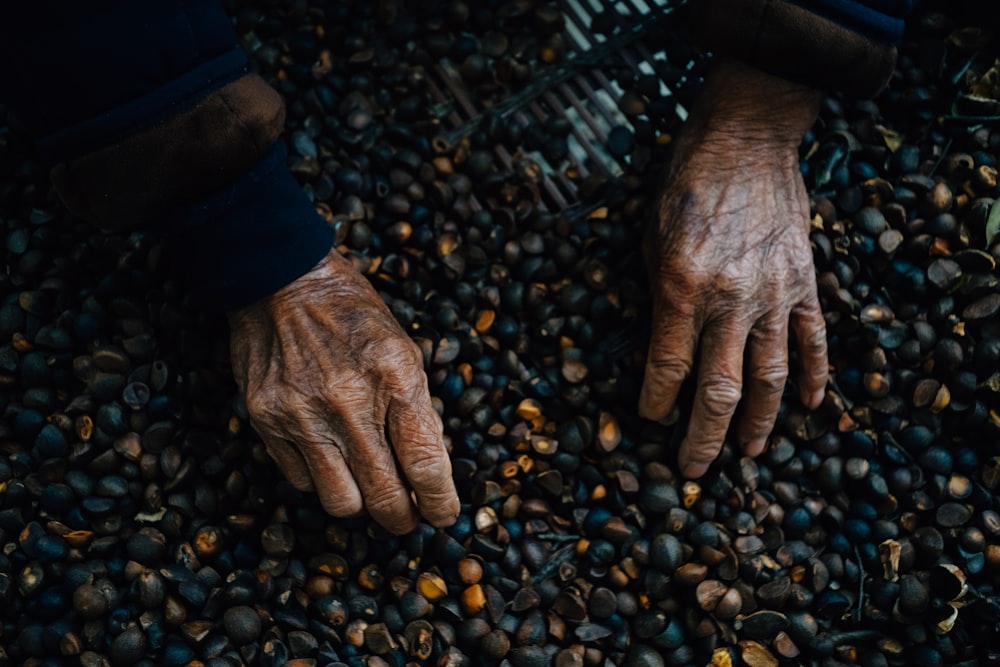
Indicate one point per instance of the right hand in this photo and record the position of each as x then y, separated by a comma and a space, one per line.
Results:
731, 266
338, 394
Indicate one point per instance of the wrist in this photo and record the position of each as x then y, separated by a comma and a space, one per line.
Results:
741, 106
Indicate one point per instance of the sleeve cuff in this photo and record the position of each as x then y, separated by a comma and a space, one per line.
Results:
794, 43
249, 239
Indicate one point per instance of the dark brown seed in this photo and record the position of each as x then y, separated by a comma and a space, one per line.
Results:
90, 602
129, 647
952, 515
774, 593
242, 624
982, 309
378, 639
763, 625
709, 593
495, 645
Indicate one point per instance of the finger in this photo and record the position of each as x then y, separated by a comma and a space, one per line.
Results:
338, 492
766, 373
289, 461
370, 459
719, 381
668, 363
416, 435
810, 335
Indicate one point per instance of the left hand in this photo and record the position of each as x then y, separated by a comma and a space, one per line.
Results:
337, 392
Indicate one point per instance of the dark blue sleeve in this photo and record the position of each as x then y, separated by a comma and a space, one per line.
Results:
87, 75
880, 20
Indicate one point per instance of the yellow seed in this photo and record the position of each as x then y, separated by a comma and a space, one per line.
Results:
722, 657
485, 320
84, 427
941, 400
692, 492
78, 538
473, 599
431, 586
21, 342
529, 409
544, 445
609, 435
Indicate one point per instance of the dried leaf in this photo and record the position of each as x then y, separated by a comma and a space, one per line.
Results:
969, 38
945, 625
889, 552
722, 657
892, 139
993, 224
755, 655
150, 517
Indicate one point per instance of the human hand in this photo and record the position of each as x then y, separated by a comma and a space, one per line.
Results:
338, 394
731, 267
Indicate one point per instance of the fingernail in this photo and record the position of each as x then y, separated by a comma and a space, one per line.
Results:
695, 470
755, 447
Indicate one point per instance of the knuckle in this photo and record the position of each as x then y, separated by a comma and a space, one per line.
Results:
299, 480
669, 369
719, 396
814, 339
702, 452
758, 425
428, 466
395, 350
262, 404
770, 379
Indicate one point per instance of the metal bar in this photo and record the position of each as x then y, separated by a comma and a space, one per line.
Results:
450, 77
548, 187
585, 142
440, 98
552, 172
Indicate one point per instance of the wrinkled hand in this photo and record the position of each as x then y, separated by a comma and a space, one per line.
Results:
338, 394
731, 266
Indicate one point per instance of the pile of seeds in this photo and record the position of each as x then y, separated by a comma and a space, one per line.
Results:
143, 524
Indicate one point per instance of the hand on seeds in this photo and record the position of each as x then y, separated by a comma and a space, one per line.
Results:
731, 267
338, 394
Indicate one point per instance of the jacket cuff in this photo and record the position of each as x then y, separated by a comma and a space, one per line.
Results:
247, 240
786, 40
176, 162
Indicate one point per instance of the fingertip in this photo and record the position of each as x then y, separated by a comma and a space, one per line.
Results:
755, 447
405, 525
815, 398
694, 470
690, 468
443, 514
304, 485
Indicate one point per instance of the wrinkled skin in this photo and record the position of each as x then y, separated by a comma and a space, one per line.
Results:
731, 267
338, 394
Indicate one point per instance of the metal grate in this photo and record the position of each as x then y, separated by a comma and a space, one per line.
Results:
581, 89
